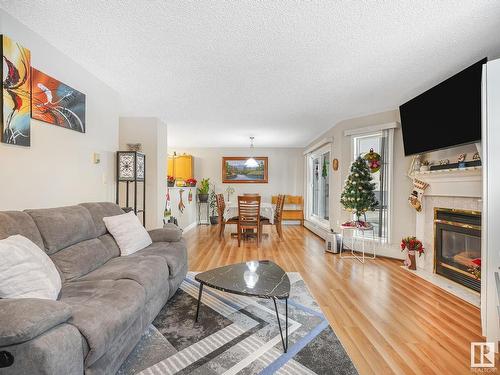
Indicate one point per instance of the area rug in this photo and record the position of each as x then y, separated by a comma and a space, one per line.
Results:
238, 335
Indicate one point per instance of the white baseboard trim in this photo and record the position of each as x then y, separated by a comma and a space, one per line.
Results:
189, 227
319, 231
291, 222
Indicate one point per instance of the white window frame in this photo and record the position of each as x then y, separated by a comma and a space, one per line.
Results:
371, 132
310, 156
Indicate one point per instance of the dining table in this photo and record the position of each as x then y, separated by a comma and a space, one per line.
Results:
266, 210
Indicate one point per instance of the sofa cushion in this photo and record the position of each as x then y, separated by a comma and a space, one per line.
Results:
25, 318
173, 252
17, 222
110, 244
169, 233
81, 258
64, 226
149, 271
99, 210
102, 310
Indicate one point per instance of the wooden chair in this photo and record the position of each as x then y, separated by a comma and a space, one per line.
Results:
278, 214
279, 202
295, 213
221, 207
249, 216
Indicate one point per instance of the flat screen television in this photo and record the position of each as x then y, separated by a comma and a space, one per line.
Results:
447, 115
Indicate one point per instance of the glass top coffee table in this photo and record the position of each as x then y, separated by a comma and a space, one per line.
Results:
257, 278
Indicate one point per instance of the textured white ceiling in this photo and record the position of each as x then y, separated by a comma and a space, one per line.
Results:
283, 71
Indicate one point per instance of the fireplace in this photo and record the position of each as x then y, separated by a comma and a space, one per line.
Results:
457, 242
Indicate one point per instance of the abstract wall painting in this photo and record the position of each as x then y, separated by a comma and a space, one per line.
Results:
55, 103
16, 98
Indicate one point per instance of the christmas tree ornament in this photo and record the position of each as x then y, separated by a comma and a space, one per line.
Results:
358, 195
190, 196
415, 198
373, 160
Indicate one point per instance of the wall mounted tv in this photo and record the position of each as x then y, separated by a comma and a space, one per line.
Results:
447, 115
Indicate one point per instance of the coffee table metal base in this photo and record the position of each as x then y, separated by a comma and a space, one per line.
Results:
284, 340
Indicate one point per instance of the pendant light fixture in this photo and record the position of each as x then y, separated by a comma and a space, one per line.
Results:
251, 162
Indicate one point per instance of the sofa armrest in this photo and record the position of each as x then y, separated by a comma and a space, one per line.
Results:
23, 319
169, 233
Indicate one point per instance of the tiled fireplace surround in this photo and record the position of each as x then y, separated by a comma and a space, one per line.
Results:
425, 230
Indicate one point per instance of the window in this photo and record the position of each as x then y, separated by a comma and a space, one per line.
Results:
318, 197
381, 142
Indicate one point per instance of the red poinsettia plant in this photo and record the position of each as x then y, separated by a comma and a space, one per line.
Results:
170, 179
412, 244
475, 268
191, 181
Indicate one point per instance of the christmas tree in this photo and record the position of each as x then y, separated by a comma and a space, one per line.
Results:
358, 196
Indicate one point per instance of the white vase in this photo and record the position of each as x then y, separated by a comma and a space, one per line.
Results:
420, 261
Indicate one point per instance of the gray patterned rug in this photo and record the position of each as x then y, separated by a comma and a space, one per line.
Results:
238, 335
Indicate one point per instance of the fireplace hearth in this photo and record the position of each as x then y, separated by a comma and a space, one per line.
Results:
457, 242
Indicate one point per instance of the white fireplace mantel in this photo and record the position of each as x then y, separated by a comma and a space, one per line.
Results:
449, 188
467, 182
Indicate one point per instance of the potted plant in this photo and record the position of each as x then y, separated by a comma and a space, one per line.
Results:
170, 181
425, 166
412, 245
213, 207
191, 182
203, 190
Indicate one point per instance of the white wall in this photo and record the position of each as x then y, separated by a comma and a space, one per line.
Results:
286, 172
58, 169
152, 134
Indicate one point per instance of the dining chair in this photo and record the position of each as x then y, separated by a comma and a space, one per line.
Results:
249, 216
278, 214
221, 208
279, 202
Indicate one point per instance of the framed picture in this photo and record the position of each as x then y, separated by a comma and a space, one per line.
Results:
55, 103
16, 96
238, 169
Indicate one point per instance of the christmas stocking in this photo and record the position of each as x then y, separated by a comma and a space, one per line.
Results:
415, 198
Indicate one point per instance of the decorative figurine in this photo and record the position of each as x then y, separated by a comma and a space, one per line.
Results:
134, 146
461, 160
476, 156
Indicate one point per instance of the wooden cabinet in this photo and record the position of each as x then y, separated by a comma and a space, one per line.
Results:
180, 166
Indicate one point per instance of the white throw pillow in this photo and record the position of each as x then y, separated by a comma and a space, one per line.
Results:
26, 271
128, 232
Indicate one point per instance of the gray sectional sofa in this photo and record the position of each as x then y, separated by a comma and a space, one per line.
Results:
106, 301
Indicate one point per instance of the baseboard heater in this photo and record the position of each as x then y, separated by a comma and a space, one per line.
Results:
316, 229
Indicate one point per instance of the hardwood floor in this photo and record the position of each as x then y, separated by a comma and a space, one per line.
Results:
389, 320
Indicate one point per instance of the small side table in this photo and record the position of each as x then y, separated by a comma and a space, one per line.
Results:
355, 239
203, 207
